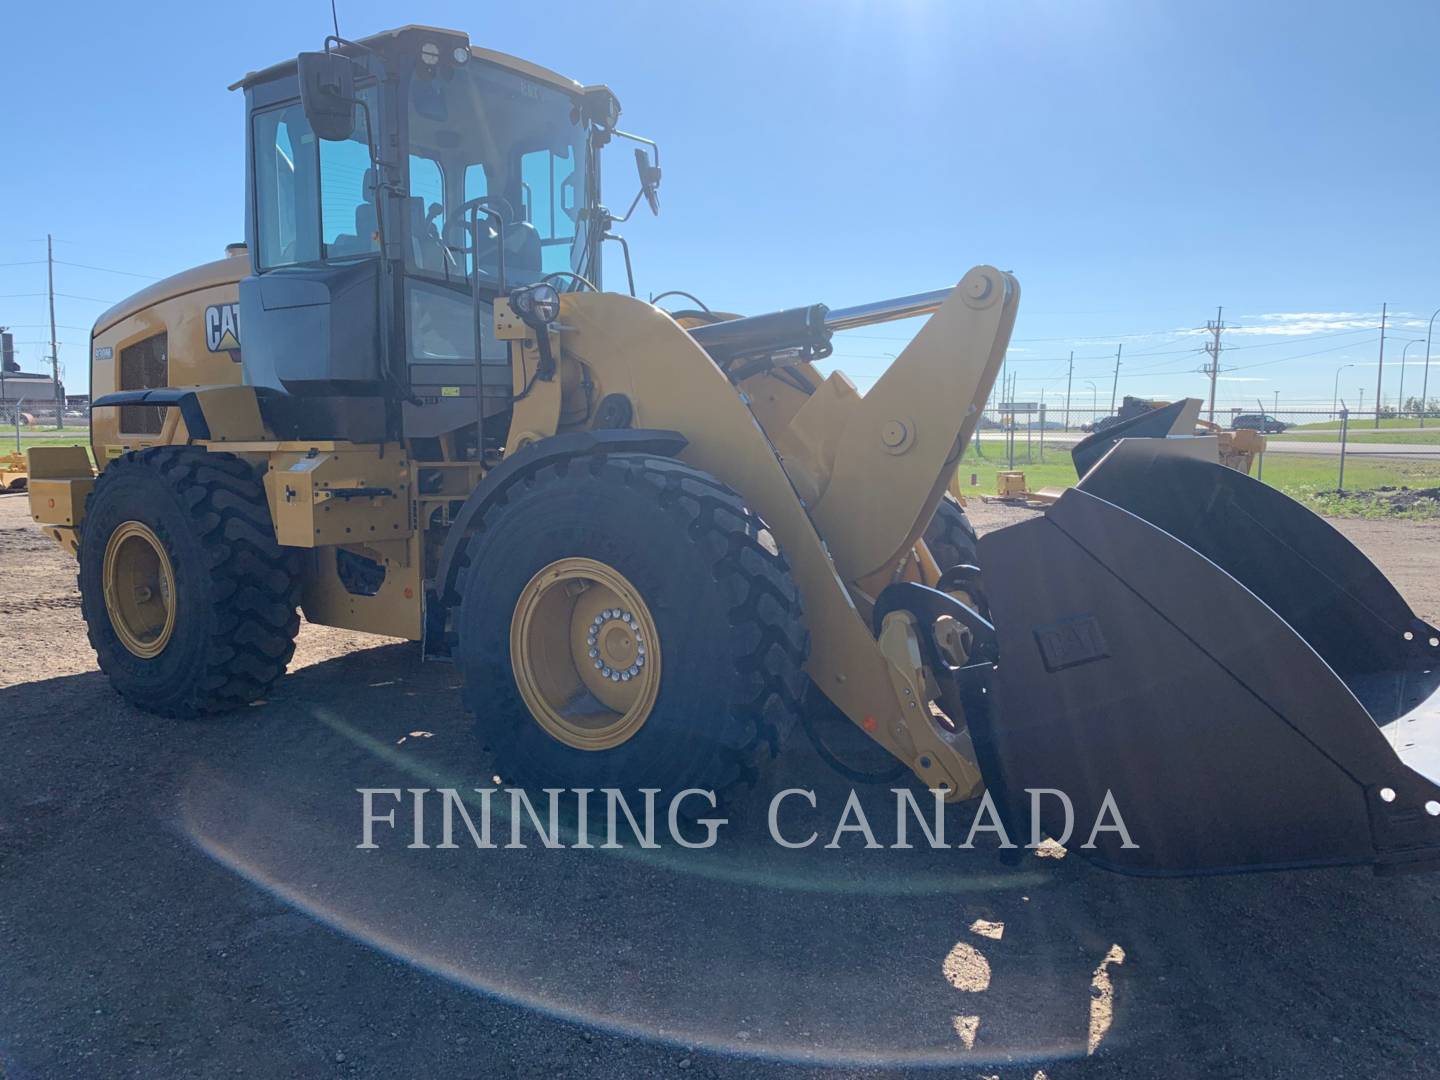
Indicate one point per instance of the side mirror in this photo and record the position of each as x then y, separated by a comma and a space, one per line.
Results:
649, 179
327, 94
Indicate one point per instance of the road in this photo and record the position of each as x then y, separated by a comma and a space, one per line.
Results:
187, 900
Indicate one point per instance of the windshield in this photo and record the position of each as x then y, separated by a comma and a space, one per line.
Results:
477, 131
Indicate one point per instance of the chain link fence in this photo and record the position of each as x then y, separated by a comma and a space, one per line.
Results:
1024, 433
1078, 421
36, 416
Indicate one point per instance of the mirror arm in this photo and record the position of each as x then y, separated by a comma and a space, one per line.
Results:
626, 216
624, 247
651, 143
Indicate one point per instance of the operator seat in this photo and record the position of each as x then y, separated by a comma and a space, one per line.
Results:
364, 240
522, 253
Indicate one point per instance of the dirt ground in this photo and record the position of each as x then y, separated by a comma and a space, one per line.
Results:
187, 899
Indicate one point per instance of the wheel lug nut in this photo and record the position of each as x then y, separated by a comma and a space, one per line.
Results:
594, 653
598, 665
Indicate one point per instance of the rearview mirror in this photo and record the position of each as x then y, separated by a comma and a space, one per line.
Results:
327, 94
649, 179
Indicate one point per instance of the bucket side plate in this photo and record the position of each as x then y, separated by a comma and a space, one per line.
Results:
1131, 664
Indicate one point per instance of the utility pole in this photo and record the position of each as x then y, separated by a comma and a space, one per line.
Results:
1379, 375
1405, 359
54, 351
1214, 350
1425, 386
1070, 374
1115, 385
4, 366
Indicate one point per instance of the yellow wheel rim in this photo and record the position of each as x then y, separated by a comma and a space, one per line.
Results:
585, 653
139, 585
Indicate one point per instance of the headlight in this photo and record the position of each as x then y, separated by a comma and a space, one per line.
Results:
537, 305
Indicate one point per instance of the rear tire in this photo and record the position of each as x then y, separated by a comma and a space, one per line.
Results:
227, 629
950, 536
729, 640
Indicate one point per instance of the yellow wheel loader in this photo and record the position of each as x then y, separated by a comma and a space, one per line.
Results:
407, 405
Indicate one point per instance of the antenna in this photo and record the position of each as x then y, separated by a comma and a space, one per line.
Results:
334, 18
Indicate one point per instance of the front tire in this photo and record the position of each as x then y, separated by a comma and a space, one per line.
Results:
681, 576
189, 602
950, 536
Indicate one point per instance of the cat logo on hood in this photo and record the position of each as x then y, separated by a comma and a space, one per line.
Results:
222, 328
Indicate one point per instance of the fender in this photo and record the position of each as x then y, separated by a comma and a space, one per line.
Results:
226, 413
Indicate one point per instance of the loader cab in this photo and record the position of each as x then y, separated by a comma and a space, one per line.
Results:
376, 241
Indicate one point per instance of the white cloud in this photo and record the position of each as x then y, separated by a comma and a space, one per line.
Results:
1302, 323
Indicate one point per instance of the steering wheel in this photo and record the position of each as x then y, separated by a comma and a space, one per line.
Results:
456, 232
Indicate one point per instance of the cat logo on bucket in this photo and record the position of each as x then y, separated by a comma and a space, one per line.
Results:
222, 328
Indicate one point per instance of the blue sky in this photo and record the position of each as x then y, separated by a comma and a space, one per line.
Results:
1134, 163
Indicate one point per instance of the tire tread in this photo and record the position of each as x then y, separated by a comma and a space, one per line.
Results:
254, 582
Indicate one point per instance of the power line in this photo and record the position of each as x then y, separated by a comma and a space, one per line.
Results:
39, 326
106, 270
1298, 356
68, 296
1290, 339
91, 299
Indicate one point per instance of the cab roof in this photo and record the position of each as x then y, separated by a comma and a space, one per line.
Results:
514, 63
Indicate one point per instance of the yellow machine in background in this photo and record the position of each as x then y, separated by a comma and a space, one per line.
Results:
13, 472
650, 540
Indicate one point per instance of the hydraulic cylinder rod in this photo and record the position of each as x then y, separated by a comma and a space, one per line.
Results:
808, 326
902, 307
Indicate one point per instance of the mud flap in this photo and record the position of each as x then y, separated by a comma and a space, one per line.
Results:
1245, 686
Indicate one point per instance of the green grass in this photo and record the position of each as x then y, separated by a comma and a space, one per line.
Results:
1365, 434
1373, 487
1369, 424
1056, 471
45, 437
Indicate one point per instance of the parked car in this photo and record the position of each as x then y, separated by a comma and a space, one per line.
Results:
1261, 422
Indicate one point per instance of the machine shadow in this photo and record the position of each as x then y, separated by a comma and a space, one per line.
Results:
843, 955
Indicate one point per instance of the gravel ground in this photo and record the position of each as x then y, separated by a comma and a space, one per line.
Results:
186, 899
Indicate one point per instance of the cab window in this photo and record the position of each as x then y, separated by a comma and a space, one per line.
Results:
314, 199
549, 183
427, 185
285, 188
